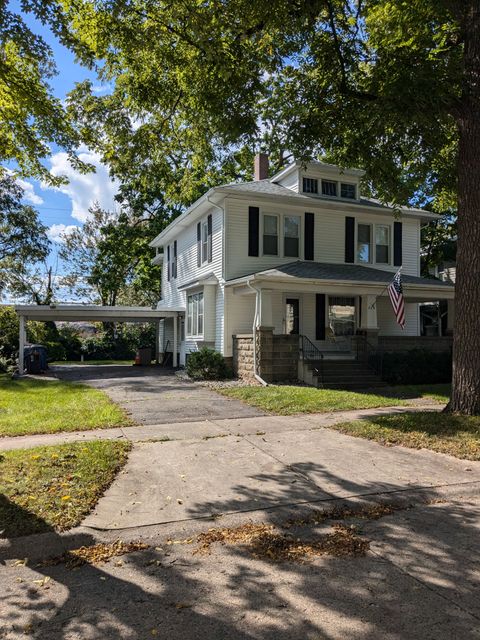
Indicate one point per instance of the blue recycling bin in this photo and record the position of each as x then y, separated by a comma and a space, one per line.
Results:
35, 358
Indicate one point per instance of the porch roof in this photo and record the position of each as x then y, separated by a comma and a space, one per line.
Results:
341, 273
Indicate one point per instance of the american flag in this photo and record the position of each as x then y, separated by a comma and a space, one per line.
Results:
395, 292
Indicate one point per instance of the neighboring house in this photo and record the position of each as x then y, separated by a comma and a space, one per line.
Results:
299, 254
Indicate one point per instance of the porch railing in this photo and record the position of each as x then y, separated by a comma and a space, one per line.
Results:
311, 353
369, 353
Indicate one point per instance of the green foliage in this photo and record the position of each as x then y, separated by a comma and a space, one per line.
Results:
417, 366
207, 364
23, 237
31, 118
439, 243
109, 259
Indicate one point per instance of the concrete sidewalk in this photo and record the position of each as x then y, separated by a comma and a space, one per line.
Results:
205, 428
271, 465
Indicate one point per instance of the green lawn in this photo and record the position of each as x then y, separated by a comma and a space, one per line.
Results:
29, 406
55, 487
287, 400
456, 435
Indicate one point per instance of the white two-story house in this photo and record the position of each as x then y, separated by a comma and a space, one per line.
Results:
300, 253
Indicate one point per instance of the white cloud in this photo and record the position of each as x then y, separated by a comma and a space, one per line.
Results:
84, 189
56, 231
29, 195
101, 88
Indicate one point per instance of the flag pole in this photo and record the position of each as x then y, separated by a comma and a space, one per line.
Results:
372, 306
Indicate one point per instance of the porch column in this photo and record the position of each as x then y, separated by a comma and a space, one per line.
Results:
450, 316
21, 344
369, 313
265, 315
175, 329
157, 342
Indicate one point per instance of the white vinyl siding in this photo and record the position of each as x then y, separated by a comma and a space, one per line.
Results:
387, 323
329, 237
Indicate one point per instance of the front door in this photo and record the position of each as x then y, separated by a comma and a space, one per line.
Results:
292, 316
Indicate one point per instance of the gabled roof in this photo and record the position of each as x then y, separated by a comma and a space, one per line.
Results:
339, 272
269, 188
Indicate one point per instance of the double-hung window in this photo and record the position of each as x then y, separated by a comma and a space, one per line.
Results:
204, 241
291, 236
364, 243
270, 235
382, 244
195, 314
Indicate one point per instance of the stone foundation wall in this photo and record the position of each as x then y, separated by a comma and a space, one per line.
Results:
243, 356
407, 343
277, 356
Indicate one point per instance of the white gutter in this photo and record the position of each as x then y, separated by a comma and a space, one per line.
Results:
257, 377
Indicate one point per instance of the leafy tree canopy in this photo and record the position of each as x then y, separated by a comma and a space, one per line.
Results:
109, 261
23, 238
31, 117
374, 85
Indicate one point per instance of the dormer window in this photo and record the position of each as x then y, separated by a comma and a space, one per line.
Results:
310, 185
348, 190
329, 188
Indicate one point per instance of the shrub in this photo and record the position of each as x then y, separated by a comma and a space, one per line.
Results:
417, 366
207, 364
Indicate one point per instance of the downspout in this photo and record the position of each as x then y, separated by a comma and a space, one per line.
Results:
257, 295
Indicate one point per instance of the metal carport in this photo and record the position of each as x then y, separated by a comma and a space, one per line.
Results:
93, 313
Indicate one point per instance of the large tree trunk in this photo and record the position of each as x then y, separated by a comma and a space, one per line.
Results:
466, 344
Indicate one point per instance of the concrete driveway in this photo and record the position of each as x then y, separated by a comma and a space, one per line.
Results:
153, 395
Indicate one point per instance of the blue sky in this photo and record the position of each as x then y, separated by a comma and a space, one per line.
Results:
67, 206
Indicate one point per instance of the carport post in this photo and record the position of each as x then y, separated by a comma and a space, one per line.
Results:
21, 344
175, 328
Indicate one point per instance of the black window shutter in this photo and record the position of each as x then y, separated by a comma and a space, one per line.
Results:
320, 316
397, 244
349, 239
174, 263
253, 230
168, 263
199, 245
209, 229
308, 251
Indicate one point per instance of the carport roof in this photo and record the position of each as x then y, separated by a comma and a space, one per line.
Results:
91, 312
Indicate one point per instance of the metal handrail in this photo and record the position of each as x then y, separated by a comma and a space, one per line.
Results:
311, 352
369, 351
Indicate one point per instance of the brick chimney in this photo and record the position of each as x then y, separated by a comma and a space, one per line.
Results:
261, 166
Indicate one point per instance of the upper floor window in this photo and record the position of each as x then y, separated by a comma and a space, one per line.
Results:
172, 261
373, 243
310, 185
291, 236
348, 190
382, 243
204, 241
270, 235
195, 314
364, 243
329, 188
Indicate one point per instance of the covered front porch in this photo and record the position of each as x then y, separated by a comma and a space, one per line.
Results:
334, 312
